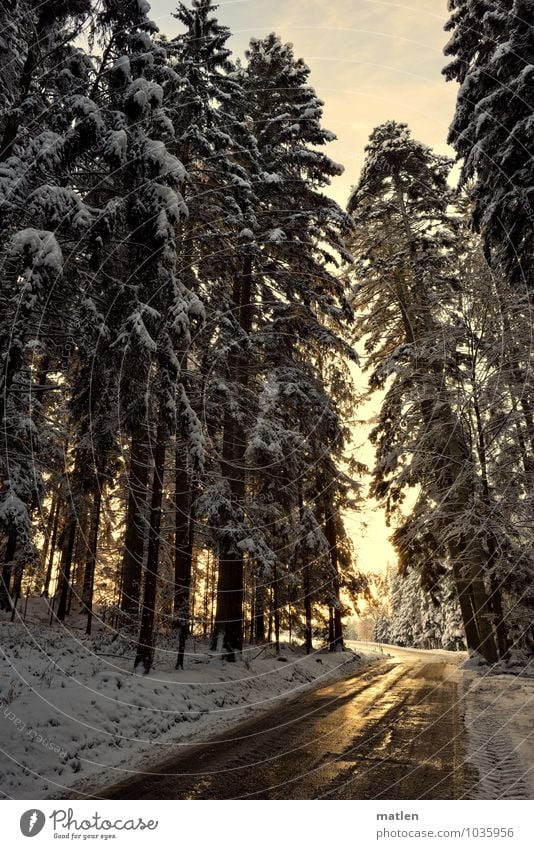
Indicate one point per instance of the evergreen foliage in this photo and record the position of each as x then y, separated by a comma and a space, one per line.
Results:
492, 50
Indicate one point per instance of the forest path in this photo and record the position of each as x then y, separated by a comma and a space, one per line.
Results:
392, 731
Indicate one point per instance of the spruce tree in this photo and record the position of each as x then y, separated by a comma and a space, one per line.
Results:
406, 241
213, 141
299, 304
492, 45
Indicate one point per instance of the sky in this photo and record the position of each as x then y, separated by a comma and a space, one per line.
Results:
370, 61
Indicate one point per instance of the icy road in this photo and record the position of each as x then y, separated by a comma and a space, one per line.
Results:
392, 731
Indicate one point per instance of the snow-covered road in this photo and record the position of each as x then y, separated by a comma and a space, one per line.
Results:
392, 730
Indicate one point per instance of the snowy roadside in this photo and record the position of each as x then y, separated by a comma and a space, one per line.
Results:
499, 720
74, 717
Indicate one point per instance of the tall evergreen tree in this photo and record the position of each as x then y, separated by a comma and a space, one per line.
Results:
299, 303
492, 46
172, 327
39, 214
406, 241
215, 144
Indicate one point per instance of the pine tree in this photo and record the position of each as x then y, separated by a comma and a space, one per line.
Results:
37, 39
172, 332
39, 213
406, 241
382, 630
153, 319
300, 308
217, 149
492, 46
492, 385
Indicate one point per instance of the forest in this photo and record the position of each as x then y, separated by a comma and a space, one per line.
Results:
184, 308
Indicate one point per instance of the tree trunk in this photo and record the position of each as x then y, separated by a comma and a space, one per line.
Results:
50, 525
290, 623
308, 610
9, 556
228, 630
52, 550
252, 594
65, 567
206, 597
134, 540
259, 613
338, 626
276, 603
183, 589
336, 643
495, 598
81, 543
481, 600
465, 600
182, 553
331, 628
246, 593
500, 623
306, 576
90, 564
214, 569
145, 647
17, 588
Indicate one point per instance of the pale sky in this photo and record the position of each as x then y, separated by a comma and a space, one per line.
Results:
370, 60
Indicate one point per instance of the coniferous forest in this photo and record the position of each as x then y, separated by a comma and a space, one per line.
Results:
190, 323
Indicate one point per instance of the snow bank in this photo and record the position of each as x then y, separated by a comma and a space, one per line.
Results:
74, 716
499, 719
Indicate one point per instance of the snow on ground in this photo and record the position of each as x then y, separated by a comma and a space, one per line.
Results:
499, 719
73, 715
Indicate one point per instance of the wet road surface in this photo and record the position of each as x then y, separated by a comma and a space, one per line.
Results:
391, 731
